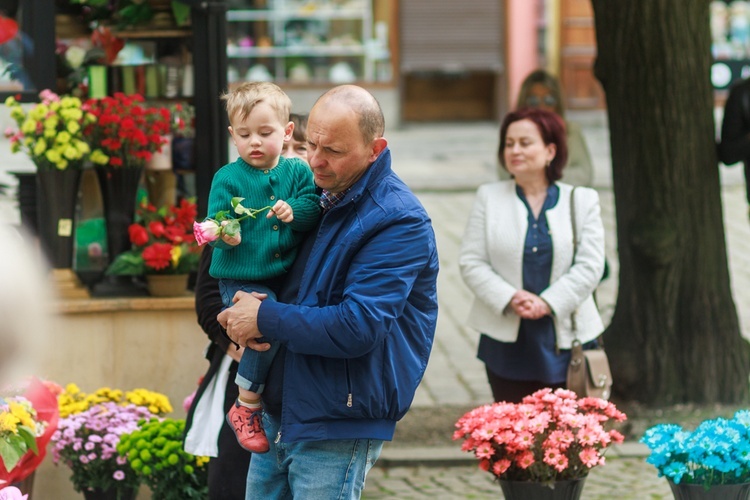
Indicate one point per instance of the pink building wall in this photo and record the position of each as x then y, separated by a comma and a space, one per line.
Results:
522, 43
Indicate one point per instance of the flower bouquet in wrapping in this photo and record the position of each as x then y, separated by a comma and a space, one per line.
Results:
550, 436
223, 224
27, 423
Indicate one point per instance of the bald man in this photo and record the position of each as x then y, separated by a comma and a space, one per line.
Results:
356, 318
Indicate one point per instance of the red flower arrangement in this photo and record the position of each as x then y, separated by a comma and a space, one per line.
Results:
163, 242
127, 131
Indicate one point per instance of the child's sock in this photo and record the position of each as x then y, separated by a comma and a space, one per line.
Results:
250, 403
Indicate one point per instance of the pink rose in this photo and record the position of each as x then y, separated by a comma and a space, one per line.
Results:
206, 231
12, 493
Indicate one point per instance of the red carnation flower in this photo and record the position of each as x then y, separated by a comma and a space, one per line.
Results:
138, 235
156, 228
158, 256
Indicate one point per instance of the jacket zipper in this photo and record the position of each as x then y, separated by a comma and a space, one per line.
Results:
349, 397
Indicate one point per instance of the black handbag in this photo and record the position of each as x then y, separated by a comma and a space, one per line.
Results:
588, 372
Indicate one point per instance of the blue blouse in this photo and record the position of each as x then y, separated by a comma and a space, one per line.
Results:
533, 357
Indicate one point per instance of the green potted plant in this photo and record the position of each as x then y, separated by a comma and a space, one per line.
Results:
155, 453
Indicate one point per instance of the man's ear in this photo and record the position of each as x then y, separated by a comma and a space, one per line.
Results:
378, 145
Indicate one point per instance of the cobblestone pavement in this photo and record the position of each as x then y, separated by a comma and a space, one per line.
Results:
620, 478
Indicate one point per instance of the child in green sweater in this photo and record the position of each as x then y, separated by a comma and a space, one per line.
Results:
256, 257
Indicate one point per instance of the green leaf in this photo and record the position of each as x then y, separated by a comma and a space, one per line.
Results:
222, 215
236, 201
28, 437
232, 228
128, 263
181, 13
10, 453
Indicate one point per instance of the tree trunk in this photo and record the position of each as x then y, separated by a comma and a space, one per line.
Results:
674, 336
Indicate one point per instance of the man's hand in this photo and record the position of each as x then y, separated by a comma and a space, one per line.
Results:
241, 320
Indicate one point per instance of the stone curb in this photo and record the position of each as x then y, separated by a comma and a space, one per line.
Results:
447, 456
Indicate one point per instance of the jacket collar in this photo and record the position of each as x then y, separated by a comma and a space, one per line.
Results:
377, 171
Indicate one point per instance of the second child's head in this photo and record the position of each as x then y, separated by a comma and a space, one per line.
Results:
296, 147
259, 122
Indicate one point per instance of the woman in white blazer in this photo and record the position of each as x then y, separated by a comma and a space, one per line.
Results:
533, 287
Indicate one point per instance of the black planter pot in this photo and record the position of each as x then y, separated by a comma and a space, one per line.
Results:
122, 494
119, 187
530, 490
56, 197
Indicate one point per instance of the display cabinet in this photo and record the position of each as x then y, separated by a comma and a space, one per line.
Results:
306, 41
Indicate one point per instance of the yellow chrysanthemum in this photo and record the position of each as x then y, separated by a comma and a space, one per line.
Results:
98, 157
40, 147
73, 127
71, 114
22, 414
81, 146
29, 126
17, 113
72, 153
39, 112
62, 138
8, 423
10, 101
52, 156
51, 122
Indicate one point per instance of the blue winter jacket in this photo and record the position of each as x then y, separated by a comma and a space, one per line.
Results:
360, 333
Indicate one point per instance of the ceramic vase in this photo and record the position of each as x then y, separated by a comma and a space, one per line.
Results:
533, 490
719, 492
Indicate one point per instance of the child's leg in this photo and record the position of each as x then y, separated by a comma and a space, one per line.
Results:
244, 417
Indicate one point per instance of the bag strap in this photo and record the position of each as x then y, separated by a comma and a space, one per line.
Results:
573, 323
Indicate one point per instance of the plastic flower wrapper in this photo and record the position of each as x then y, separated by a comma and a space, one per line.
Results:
550, 436
212, 229
715, 453
155, 453
162, 242
51, 133
34, 413
11, 493
86, 442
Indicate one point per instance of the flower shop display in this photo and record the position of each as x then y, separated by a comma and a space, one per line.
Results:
91, 428
86, 442
156, 454
163, 244
51, 134
710, 461
550, 441
28, 418
125, 136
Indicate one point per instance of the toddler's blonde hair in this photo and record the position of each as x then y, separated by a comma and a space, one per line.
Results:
241, 101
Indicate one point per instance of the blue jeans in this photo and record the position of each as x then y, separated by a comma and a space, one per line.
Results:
333, 469
254, 365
